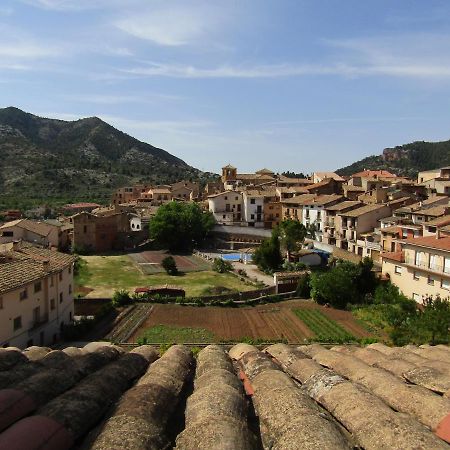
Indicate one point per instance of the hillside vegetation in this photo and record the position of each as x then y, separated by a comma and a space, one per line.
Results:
405, 160
55, 161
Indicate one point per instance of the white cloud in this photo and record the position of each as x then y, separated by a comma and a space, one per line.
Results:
173, 24
111, 99
229, 71
72, 5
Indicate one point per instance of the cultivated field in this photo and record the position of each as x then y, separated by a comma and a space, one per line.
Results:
101, 276
269, 322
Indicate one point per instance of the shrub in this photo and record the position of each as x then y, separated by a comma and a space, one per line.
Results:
121, 298
221, 266
303, 286
169, 265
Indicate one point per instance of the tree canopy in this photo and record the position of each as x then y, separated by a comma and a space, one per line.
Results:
180, 226
346, 283
290, 233
268, 255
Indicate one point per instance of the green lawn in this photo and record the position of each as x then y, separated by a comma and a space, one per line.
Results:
176, 335
325, 329
107, 274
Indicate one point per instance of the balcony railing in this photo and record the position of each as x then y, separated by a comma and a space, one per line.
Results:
438, 268
373, 245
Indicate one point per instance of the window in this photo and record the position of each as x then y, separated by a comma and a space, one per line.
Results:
434, 262
37, 287
445, 284
430, 280
398, 269
8, 234
1, 302
416, 297
60, 298
23, 294
224, 216
252, 216
60, 276
416, 276
252, 201
447, 265
226, 197
17, 323
70, 288
237, 198
420, 258
85, 229
405, 233
52, 304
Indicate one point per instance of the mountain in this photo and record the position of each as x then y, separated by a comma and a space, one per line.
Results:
405, 160
53, 161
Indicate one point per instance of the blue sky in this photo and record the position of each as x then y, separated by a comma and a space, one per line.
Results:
298, 85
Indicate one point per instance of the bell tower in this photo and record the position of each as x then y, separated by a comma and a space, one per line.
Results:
229, 173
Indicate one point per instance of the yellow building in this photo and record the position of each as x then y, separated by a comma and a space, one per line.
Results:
36, 295
421, 268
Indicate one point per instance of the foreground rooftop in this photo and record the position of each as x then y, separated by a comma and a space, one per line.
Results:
282, 397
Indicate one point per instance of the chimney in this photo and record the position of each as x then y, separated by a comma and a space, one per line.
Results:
46, 265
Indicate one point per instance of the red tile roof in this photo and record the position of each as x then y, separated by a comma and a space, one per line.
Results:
374, 174
442, 243
395, 256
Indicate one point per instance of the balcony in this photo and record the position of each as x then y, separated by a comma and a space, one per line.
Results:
373, 246
435, 268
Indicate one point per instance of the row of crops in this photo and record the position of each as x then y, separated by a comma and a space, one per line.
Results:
324, 328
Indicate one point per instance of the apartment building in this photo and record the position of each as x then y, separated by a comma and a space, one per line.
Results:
352, 224
421, 268
292, 208
253, 208
427, 175
36, 295
227, 207
329, 226
314, 212
406, 212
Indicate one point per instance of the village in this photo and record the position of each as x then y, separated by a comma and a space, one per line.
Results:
401, 225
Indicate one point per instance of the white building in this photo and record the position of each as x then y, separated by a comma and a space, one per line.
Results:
253, 208
314, 212
226, 207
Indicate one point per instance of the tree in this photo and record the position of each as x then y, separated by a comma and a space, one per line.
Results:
169, 265
303, 286
345, 283
180, 226
221, 266
435, 318
290, 234
268, 255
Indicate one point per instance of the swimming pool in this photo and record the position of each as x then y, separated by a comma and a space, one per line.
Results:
244, 257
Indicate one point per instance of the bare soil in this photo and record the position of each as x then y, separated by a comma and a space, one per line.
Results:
271, 321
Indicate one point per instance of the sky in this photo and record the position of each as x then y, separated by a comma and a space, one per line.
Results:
299, 85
